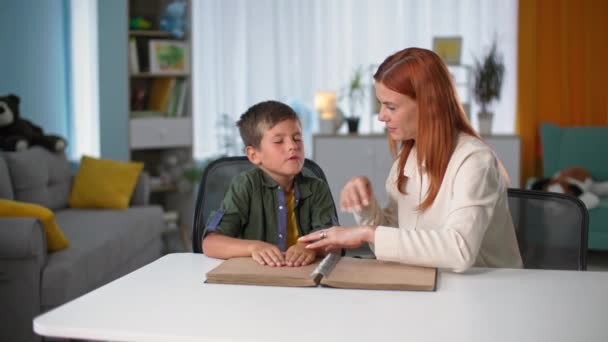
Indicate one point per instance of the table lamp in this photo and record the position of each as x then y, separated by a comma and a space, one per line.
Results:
325, 104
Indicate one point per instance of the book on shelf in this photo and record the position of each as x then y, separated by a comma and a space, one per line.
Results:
175, 107
133, 57
160, 94
139, 95
332, 271
181, 101
173, 98
168, 56
143, 57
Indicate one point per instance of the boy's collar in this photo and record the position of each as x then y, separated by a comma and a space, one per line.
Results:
301, 186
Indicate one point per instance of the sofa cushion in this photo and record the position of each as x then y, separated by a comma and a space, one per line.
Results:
39, 176
104, 183
55, 240
6, 188
102, 241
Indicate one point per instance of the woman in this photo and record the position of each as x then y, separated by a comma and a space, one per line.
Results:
447, 192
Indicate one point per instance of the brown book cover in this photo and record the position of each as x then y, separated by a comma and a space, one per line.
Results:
332, 271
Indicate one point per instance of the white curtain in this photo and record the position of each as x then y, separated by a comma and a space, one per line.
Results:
248, 51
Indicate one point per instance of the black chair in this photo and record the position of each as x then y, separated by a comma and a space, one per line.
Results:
551, 229
215, 182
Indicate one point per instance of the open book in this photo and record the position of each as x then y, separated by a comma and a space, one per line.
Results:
332, 271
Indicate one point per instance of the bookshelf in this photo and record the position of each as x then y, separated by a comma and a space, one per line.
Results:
160, 104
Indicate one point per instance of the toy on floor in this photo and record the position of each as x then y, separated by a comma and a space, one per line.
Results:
576, 181
17, 134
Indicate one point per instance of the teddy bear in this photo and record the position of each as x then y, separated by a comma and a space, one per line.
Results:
17, 134
575, 181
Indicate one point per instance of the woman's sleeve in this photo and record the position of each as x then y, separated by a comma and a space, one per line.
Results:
476, 188
375, 215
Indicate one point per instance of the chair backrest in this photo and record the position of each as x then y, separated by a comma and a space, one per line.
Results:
215, 182
551, 229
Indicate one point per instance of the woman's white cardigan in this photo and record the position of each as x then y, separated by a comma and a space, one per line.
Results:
469, 223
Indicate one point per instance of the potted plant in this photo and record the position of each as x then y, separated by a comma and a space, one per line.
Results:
488, 76
356, 96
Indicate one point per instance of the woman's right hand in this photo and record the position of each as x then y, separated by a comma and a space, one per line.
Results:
356, 194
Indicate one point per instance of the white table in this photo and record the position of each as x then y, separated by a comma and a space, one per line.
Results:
168, 301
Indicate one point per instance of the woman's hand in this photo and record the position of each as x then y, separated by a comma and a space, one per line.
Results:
266, 254
356, 194
339, 237
298, 255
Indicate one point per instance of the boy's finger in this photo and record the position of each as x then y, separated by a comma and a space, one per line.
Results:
277, 257
299, 261
290, 256
256, 257
267, 260
272, 258
309, 259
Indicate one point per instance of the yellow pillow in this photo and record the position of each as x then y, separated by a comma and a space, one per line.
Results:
104, 183
55, 240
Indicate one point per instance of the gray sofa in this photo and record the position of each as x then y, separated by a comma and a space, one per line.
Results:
104, 244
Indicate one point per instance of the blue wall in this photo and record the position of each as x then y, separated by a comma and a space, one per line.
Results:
113, 79
33, 60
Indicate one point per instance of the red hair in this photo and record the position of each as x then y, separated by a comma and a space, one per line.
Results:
421, 75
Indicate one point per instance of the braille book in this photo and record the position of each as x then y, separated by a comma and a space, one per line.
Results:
331, 271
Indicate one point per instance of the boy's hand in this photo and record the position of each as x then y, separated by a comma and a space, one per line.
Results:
266, 254
298, 255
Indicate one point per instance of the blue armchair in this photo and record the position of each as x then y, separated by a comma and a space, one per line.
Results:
580, 146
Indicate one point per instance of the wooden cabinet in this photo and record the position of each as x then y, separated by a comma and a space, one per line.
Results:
345, 156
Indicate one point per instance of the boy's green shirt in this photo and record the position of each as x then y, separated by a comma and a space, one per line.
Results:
254, 208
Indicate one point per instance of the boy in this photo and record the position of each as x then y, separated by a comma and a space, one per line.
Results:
268, 207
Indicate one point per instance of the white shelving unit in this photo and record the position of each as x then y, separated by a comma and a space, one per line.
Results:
159, 131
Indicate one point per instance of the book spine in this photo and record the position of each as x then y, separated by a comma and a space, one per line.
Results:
325, 266
133, 57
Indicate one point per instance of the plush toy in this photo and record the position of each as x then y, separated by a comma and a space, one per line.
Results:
139, 23
576, 181
174, 19
17, 134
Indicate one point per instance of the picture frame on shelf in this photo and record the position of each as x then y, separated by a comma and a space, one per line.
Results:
168, 56
448, 48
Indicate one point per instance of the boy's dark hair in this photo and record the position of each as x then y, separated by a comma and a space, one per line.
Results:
261, 117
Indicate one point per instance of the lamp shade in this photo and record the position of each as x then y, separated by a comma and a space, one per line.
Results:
325, 104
